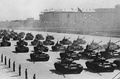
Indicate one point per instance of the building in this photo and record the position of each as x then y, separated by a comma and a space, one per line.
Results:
101, 20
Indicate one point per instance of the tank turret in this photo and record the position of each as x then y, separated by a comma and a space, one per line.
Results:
48, 42
58, 47
79, 41
41, 47
65, 41
89, 52
49, 37
70, 54
29, 36
39, 37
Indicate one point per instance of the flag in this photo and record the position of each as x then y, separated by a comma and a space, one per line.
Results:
79, 10
72, 9
45, 10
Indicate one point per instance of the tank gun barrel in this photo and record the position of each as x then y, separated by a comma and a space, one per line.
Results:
109, 41
69, 38
108, 44
78, 37
99, 42
92, 41
95, 48
64, 37
117, 41
49, 35
82, 38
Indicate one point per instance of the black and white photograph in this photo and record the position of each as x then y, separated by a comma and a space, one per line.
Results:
60, 39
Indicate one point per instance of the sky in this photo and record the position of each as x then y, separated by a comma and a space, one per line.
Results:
23, 9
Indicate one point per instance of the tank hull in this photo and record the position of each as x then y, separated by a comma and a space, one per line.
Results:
107, 55
5, 44
50, 37
57, 48
39, 57
65, 42
28, 38
87, 55
74, 56
98, 67
16, 38
22, 43
48, 42
45, 49
68, 69
76, 48
22, 49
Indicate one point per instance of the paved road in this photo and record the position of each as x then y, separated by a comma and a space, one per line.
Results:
46, 70
6, 73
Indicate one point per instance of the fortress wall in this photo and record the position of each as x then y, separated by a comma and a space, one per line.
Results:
102, 20
89, 21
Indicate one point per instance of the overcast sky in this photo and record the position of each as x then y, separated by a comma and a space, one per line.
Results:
22, 9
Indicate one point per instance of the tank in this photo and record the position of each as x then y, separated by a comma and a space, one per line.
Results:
21, 49
58, 47
29, 36
48, 42
5, 43
93, 45
50, 37
68, 67
110, 52
79, 41
117, 62
100, 64
75, 47
39, 56
88, 53
112, 45
39, 37
21, 34
65, 41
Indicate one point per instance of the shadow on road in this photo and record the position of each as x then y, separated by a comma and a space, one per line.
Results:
88, 70
14, 52
18, 52
60, 73
5, 68
59, 58
56, 72
34, 61
30, 60
15, 76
